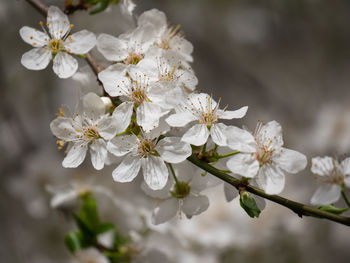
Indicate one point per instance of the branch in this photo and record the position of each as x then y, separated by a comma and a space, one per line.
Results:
93, 63
298, 208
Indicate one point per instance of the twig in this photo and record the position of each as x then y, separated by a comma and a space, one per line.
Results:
299, 208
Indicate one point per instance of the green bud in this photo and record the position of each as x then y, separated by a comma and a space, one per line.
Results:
181, 190
249, 205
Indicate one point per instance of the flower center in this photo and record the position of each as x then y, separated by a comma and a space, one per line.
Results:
91, 134
181, 190
263, 155
172, 31
138, 96
168, 75
208, 118
133, 58
146, 147
56, 45
336, 177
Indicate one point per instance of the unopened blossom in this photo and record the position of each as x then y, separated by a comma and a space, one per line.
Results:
90, 255
333, 176
181, 196
203, 109
167, 38
147, 152
151, 101
90, 128
56, 44
263, 156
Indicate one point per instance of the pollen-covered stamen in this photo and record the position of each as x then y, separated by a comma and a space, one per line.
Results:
168, 74
336, 176
133, 58
146, 147
171, 32
91, 133
264, 155
181, 190
208, 112
138, 92
56, 45
60, 144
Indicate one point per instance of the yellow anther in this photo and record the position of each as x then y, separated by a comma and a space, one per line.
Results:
31, 37
60, 110
71, 25
47, 23
34, 43
70, 36
41, 23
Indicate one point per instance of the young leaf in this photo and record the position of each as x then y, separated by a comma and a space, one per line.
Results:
74, 241
248, 203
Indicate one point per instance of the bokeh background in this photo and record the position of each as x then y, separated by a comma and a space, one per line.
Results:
288, 60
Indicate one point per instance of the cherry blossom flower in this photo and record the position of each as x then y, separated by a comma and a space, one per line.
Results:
202, 108
150, 154
56, 44
89, 128
333, 175
183, 195
262, 156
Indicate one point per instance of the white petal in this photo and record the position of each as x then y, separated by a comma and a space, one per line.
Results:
345, 166
270, 135
182, 46
148, 114
98, 152
195, 205
201, 101
165, 211
75, 155
240, 140
127, 170
107, 127
58, 22
197, 135
180, 119
188, 79
63, 129
322, 166
218, 134
36, 58
112, 48
326, 194
93, 105
115, 81
271, 179
81, 42
162, 128
347, 181
121, 145
243, 164
64, 65
142, 38
31, 36
291, 161
230, 192
154, 17
236, 114
199, 182
122, 115
155, 172
158, 194
173, 150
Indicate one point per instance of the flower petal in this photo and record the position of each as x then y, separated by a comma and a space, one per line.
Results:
240, 139
122, 115
218, 134
173, 150
93, 106
142, 38
75, 155
107, 127
196, 135
127, 170
81, 42
114, 80
98, 152
155, 172
236, 114
201, 102
195, 205
148, 114
230, 192
64, 65
322, 166
345, 166
326, 194
36, 58
63, 129
122, 145
180, 119
243, 164
182, 46
112, 48
154, 17
31, 35
271, 179
291, 161
58, 22
270, 134
165, 211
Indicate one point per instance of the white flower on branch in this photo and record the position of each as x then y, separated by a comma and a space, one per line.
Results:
333, 175
202, 108
262, 156
56, 44
89, 128
148, 152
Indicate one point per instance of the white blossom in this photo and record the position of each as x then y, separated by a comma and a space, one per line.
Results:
90, 255
202, 108
147, 152
89, 128
56, 44
262, 156
333, 175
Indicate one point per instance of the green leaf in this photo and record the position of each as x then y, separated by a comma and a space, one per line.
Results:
120, 240
104, 227
88, 213
103, 4
74, 241
248, 203
332, 209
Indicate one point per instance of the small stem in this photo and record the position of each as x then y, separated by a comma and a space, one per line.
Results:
228, 154
345, 198
204, 149
173, 172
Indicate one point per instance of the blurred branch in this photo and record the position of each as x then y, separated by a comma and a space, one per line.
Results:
298, 208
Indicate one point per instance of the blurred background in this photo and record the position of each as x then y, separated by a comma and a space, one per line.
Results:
288, 60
